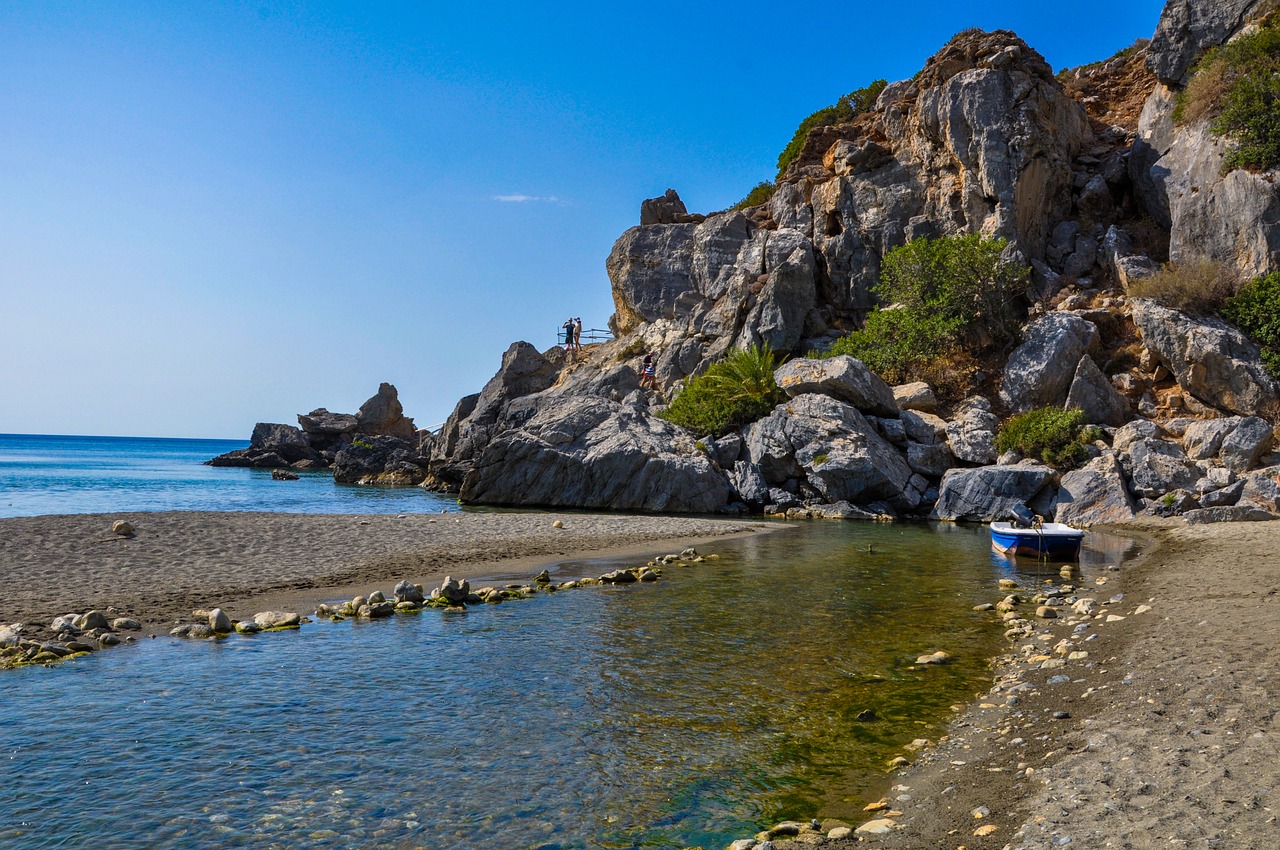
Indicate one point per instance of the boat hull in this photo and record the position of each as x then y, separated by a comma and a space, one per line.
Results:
1063, 545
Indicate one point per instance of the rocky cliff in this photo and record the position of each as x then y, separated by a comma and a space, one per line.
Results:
1092, 185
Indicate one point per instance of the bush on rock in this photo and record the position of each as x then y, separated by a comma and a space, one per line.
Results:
1255, 309
1237, 87
1056, 436
734, 392
845, 110
1198, 286
948, 299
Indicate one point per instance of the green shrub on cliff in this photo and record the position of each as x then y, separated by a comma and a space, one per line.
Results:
759, 195
1050, 434
734, 392
1237, 87
845, 110
949, 299
1255, 309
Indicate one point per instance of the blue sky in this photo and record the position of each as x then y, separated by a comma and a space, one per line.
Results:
213, 214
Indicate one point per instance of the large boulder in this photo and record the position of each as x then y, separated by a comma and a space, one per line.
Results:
506, 401
1039, 372
667, 209
650, 268
829, 444
988, 493
915, 396
272, 446
845, 378
1239, 440
1188, 28
383, 416
595, 453
1093, 394
1094, 494
386, 461
1210, 359
1262, 489
1156, 467
972, 433
285, 440
327, 430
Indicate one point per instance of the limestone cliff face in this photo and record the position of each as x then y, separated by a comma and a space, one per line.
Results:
981, 142
1234, 217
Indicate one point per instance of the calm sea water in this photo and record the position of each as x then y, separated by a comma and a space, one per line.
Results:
683, 713
76, 475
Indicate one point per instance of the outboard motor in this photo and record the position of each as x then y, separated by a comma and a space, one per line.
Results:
1021, 516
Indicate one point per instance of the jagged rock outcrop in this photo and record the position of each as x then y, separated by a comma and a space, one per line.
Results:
827, 444
981, 141
1210, 359
385, 461
322, 435
328, 431
383, 415
502, 404
988, 493
1188, 28
668, 209
1040, 370
843, 377
1233, 218
1093, 394
595, 453
1094, 494
272, 446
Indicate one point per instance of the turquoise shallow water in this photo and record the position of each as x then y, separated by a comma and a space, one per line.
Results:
75, 475
683, 713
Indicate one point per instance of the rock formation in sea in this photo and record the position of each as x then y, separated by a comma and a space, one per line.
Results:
1089, 179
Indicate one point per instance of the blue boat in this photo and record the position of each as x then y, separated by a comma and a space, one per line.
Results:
1043, 540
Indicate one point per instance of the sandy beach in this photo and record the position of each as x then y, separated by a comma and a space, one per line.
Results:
249, 562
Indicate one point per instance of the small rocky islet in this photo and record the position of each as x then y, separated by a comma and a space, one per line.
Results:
1087, 177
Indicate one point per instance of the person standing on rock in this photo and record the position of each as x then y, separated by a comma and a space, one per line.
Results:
649, 371
568, 334
577, 334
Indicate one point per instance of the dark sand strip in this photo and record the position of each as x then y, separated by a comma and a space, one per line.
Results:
247, 562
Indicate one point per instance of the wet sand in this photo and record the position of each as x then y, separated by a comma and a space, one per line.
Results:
247, 562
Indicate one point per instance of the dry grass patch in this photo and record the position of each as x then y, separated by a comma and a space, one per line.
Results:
1199, 286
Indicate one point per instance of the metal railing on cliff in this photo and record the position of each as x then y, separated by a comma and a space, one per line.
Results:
588, 335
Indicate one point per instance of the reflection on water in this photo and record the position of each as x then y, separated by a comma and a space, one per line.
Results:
688, 712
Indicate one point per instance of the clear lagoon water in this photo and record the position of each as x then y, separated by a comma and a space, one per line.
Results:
678, 714
77, 475
683, 713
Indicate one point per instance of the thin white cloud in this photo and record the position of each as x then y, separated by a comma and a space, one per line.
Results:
525, 199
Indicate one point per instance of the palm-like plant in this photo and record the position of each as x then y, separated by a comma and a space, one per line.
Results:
747, 376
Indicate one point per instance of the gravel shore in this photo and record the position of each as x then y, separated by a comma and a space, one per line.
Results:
246, 562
